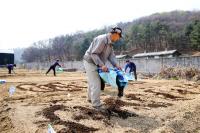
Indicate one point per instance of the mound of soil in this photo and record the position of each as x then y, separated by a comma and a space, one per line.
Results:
50, 87
157, 105
117, 103
49, 112
114, 105
133, 97
71, 127
86, 113
186, 92
166, 95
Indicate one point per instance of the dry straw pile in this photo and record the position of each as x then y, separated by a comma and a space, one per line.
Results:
189, 73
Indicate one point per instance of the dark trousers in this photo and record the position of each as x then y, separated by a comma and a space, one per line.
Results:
120, 88
135, 74
54, 70
9, 70
102, 84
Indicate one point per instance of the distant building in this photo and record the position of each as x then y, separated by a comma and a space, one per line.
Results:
123, 56
161, 54
6, 57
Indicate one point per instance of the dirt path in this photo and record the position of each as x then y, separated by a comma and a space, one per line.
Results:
148, 105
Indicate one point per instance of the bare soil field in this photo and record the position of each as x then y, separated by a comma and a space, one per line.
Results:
148, 105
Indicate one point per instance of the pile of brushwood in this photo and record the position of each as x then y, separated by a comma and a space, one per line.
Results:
189, 73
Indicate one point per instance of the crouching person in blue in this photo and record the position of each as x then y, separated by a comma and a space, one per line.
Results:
53, 67
10, 67
99, 52
132, 68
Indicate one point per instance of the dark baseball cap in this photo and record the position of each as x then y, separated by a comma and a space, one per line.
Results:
127, 61
117, 30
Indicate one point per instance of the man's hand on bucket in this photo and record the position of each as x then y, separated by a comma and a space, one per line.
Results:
104, 68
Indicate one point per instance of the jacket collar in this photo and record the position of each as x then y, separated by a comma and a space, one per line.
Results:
109, 39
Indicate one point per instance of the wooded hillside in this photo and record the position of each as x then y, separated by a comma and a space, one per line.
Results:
170, 30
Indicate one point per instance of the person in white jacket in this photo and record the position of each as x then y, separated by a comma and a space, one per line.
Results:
99, 52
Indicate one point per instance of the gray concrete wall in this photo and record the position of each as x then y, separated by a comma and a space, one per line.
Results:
45, 65
155, 65
143, 65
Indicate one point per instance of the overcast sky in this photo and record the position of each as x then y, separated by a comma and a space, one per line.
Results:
23, 22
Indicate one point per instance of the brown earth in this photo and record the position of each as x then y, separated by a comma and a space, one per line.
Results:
148, 106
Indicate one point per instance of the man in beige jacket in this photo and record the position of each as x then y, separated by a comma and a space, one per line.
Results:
99, 52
